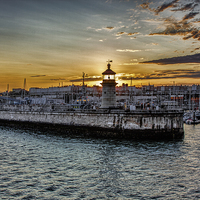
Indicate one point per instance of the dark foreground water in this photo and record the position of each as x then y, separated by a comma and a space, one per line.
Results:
36, 165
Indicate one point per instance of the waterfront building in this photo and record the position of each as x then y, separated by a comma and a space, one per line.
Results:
108, 90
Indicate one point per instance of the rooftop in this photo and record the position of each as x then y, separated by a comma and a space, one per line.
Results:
108, 71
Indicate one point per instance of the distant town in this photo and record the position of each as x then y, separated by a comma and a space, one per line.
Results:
144, 97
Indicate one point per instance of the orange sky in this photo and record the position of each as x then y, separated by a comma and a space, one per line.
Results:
52, 42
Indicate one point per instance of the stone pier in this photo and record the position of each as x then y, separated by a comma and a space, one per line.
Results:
105, 123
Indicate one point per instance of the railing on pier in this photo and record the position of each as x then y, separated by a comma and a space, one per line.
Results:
67, 109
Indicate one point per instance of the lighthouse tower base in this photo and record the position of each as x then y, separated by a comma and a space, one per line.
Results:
108, 95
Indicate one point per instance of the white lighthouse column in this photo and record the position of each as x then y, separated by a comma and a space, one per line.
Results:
108, 91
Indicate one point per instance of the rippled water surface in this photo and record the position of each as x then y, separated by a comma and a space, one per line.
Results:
36, 165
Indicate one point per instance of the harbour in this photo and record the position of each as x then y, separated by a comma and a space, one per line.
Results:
100, 100
108, 120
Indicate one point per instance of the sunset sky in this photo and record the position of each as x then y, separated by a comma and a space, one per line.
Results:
54, 41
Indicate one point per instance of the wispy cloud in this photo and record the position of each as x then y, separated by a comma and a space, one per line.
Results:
58, 79
145, 5
130, 63
128, 50
120, 33
36, 76
195, 49
154, 44
127, 34
134, 33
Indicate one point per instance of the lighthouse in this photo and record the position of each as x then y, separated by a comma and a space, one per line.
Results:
108, 91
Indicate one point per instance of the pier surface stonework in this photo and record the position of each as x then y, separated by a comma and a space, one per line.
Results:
135, 125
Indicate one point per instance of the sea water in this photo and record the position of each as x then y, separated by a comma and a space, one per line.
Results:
40, 165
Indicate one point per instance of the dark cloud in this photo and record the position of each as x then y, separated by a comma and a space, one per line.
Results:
189, 6
165, 6
176, 60
174, 27
36, 76
191, 15
176, 71
184, 27
195, 34
165, 74
110, 27
160, 8
173, 4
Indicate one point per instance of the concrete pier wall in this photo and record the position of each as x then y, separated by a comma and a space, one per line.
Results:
130, 122
124, 120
